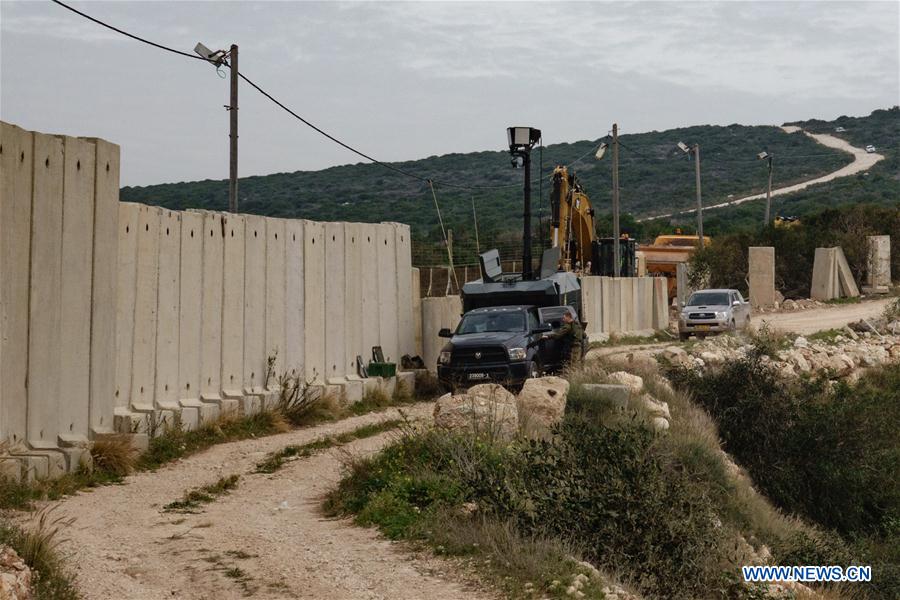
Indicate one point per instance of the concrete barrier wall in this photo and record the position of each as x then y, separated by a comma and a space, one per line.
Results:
120, 317
623, 304
437, 313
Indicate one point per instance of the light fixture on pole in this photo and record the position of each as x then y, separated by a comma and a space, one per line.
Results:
695, 150
768, 157
230, 58
521, 141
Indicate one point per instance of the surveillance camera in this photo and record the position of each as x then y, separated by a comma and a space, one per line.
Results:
762, 155
518, 161
601, 151
216, 57
683, 147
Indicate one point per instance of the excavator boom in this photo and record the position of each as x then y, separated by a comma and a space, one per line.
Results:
572, 225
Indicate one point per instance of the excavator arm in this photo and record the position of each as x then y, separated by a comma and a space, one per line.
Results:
572, 225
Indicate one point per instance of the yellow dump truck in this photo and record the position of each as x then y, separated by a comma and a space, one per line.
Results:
666, 252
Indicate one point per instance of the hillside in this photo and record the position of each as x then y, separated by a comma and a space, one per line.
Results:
655, 177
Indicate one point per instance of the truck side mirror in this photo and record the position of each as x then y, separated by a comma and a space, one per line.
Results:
543, 328
445, 333
736, 303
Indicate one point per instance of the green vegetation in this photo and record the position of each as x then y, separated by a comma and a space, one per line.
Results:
36, 544
829, 454
633, 340
666, 514
655, 178
275, 460
195, 498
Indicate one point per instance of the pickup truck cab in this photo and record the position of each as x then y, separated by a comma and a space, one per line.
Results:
501, 344
713, 311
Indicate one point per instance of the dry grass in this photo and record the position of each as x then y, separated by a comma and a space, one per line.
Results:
38, 545
114, 454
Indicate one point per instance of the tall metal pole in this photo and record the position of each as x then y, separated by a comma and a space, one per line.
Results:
617, 269
526, 232
699, 197
233, 135
769, 193
475, 218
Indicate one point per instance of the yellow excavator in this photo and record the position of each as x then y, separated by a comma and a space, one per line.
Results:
572, 225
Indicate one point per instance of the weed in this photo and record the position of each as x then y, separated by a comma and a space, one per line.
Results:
892, 310
37, 545
847, 300
193, 499
114, 454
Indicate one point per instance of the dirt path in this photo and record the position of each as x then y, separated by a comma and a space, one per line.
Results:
820, 319
862, 161
269, 529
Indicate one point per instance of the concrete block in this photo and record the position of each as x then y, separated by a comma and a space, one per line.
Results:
75, 287
408, 380
232, 342
10, 469
276, 288
660, 303
143, 360
294, 309
353, 390
190, 417
371, 384
189, 306
45, 302
371, 335
591, 304
761, 273
16, 173
75, 458
126, 290
824, 280
388, 310
845, 276
353, 313
104, 286
35, 467
415, 283
314, 300
405, 327
211, 307
878, 264
166, 388
252, 404
255, 351
335, 353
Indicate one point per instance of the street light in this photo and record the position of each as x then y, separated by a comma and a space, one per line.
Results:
768, 158
521, 141
695, 150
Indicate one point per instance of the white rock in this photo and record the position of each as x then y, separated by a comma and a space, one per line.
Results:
634, 382
541, 405
485, 410
801, 342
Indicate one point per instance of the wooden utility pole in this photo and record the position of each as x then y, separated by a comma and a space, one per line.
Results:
699, 197
769, 193
233, 114
617, 271
475, 217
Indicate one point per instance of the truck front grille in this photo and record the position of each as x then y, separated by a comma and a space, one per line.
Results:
468, 357
702, 315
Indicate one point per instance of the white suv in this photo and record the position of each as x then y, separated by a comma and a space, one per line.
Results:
870, 148
713, 311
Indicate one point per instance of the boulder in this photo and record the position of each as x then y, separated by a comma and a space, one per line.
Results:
633, 382
487, 410
801, 342
15, 576
712, 358
653, 407
613, 394
541, 405
659, 424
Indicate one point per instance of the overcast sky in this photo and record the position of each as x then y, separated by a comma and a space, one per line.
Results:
409, 80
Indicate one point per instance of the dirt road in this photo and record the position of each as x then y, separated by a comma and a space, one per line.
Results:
862, 161
266, 539
820, 319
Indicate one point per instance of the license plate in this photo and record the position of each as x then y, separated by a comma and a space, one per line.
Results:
478, 375
702, 327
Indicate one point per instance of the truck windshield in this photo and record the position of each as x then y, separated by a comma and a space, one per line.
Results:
484, 322
709, 299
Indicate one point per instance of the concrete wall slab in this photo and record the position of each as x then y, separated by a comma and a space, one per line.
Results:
167, 310
388, 314
314, 300
143, 360
824, 281
255, 351
353, 315
371, 334
405, 329
127, 288
335, 350
189, 304
232, 349
293, 318
761, 273
211, 309
276, 288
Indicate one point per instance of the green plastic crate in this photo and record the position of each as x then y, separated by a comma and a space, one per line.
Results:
384, 369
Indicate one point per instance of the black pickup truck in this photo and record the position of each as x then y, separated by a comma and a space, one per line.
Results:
501, 344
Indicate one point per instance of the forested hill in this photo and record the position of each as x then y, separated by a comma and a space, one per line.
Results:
655, 177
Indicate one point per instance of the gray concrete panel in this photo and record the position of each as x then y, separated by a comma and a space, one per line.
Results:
405, 329
44, 296
167, 316
143, 359
75, 287
16, 173
416, 292
761, 273
126, 289
275, 296
388, 313
211, 309
232, 349
104, 289
353, 315
255, 351
370, 290
189, 303
294, 310
824, 276
335, 356
314, 300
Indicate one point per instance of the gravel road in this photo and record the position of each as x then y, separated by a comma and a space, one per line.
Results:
266, 539
820, 319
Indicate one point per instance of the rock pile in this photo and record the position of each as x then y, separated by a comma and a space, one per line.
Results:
15, 576
625, 395
487, 410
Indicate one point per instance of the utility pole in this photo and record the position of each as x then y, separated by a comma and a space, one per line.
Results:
233, 135
699, 197
617, 270
769, 192
526, 233
475, 218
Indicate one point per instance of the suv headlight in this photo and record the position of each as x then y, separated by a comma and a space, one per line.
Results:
517, 354
444, 358
721, 315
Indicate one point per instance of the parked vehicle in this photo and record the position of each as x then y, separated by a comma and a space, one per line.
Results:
870, 148
713, 311
501, 344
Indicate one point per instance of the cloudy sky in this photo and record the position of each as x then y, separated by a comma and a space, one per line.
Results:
408, 80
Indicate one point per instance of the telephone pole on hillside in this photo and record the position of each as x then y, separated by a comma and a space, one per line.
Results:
233, 135
615, 181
